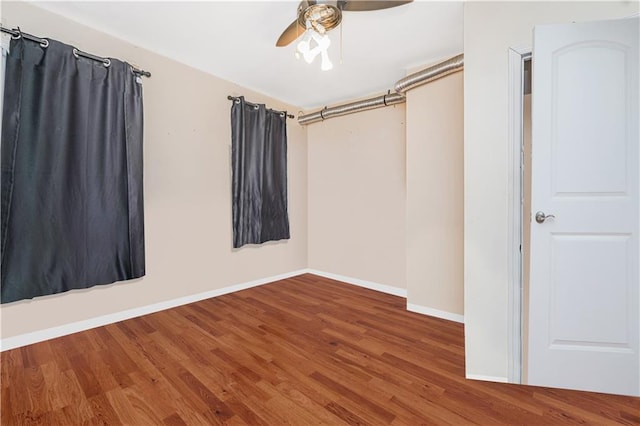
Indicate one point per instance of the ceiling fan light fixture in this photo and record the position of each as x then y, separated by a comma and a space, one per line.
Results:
326, 64
310, 55
304, 47
322, 43
304, 44
323, 40
326, 14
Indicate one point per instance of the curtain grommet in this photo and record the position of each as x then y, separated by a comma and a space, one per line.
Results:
75, 53
106, 62
45, 43
18, 35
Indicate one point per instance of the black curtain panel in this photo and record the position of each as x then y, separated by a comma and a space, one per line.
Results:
259, 162
72, 201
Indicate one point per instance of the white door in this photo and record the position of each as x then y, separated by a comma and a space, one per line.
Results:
584, 326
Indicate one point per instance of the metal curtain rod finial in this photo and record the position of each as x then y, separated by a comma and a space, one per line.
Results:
236, 99
17, 33
140, 72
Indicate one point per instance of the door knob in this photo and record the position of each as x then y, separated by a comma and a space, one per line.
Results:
541, 217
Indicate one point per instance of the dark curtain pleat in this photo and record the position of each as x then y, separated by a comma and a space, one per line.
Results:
72, 202
275, 220
259, 184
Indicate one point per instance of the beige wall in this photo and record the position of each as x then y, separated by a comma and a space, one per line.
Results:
187, 188
435, 196
353, 223
357, 196
386, 198
490, 29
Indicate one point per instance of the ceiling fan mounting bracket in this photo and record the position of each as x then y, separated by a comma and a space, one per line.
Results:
323, 15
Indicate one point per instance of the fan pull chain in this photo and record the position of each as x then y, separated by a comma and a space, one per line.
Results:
296, 53
341, 25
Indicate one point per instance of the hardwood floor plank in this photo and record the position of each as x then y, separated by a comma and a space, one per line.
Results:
116, 369
124, 409
215, 406
163, 403
345, 415
78, 411
381, 413
298, 395
304, 350
174, 420
103, 412
86, 377
35, 355
259, 362
188, 414
384, 373
264, 410
245, 413
114, 355
38, 392
133, 402
432, 412
19, 398
102, 372
578, 415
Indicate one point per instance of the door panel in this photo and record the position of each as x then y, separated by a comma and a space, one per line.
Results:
580, 294
584, 327
602, 166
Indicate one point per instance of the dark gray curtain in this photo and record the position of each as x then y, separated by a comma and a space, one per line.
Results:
259, 161
72, 206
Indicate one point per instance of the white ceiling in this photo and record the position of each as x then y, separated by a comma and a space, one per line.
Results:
235, 40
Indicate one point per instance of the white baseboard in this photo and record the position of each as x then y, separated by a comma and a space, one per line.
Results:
497, 379
362, 283
435, 313
74, 327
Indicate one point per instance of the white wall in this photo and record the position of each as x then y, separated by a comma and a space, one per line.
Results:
187, 188
435, 196
490, 29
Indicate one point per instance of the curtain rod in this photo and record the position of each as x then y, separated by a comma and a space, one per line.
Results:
237, 99
17, 33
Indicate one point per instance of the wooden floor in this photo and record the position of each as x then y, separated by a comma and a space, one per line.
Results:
305, 350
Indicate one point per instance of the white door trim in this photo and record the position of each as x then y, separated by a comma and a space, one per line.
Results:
517, 57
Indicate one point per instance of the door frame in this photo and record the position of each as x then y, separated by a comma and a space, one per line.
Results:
515, 190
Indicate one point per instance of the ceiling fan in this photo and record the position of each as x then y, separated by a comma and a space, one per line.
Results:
324, 15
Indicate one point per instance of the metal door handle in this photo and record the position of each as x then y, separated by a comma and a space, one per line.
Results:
541, 217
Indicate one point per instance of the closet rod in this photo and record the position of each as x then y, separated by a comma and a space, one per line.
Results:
17, 33
237, 99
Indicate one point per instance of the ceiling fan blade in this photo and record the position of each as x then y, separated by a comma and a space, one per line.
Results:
293, 31
364, 5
